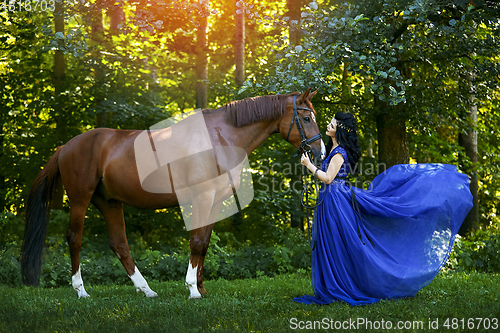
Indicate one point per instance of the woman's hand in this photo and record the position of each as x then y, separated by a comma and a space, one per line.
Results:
305, 160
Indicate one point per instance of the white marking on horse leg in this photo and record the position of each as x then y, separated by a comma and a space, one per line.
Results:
192, 281
141, 285
323, 150
77, 282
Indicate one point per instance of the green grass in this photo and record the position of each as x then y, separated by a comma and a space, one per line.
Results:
257, 305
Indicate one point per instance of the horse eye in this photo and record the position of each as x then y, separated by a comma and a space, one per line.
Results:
307, 119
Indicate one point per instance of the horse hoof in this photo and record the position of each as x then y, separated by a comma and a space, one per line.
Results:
195, 298
148, 292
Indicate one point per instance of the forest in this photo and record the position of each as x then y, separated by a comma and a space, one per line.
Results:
421, 76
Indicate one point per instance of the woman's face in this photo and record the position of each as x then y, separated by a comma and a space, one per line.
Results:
331, 129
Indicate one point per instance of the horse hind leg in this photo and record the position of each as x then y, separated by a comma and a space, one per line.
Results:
112, 212
74, 237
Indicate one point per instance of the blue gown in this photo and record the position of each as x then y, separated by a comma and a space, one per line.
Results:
410, 216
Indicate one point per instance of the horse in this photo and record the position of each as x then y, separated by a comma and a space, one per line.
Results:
101, 167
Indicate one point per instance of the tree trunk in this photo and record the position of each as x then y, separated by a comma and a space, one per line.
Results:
346, 88
202, 60
58, 78
99, 71
297, 214
239, 45
392, 140
294, 14
3, 185
239, 74
368, 104
469, 142
391, 129
116, 18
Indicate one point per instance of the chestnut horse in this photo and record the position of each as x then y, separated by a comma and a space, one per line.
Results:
99, 167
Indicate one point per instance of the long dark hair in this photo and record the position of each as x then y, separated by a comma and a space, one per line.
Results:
347, 137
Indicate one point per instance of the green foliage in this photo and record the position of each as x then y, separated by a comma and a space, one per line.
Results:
480, 251
433, 60
226, 258
281, 257
11, 235
168, 262
11, 228
10, 266
333, 36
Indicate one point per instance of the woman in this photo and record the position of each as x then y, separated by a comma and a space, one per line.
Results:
398, 239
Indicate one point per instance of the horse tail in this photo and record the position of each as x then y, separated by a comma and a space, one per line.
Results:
37, 218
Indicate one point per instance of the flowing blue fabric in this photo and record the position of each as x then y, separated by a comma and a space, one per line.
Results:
410, 216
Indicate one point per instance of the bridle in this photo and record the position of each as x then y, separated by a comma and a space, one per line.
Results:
305, 143
305, 147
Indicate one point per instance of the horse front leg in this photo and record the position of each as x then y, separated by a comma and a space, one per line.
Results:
199, 242
194, 276
205, 243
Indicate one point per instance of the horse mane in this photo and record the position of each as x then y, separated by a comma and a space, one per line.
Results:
252, 109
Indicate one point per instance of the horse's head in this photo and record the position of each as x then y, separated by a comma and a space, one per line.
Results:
299, 127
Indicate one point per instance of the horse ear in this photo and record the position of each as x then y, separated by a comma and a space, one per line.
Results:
311, 95
303, 96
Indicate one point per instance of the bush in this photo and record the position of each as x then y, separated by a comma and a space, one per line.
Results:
285, 250
10, 268
100, 266
480, 251
11, 228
